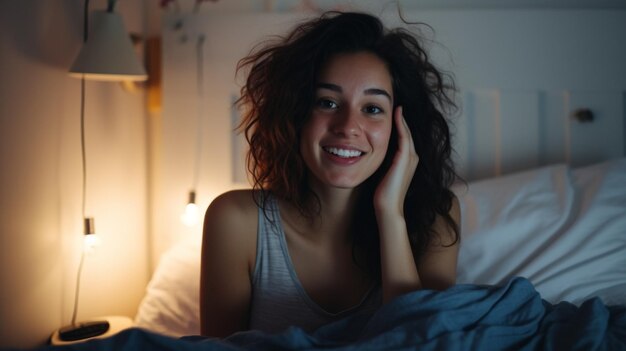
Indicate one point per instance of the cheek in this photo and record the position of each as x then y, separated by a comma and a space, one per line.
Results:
381, 139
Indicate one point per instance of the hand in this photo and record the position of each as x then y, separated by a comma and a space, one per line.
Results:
390, 193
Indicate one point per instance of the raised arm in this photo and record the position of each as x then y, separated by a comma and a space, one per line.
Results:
437, 266
228, 252
400, 275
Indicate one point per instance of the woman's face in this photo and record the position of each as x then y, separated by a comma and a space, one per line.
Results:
347, 135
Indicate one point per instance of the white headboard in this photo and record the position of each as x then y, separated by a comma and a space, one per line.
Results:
502, 131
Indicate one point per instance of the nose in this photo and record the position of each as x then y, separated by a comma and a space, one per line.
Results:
347, 123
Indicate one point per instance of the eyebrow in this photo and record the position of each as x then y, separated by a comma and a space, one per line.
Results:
370, 91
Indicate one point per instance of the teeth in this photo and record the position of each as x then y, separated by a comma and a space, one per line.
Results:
343, 152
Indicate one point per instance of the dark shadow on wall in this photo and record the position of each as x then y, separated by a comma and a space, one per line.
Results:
46, 31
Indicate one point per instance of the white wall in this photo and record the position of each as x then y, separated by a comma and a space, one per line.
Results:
40, 178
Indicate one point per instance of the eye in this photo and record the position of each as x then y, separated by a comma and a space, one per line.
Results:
373, 110
326, 104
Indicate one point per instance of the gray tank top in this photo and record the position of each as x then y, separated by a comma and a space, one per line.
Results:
278, 298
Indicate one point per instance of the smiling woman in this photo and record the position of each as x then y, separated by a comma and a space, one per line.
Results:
350, 124
350, 160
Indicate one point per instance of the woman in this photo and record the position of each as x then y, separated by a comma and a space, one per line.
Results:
350, 158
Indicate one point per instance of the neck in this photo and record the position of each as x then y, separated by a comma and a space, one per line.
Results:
331, 225
337, 203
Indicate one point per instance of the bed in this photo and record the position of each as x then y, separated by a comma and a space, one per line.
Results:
552, 238
542, 266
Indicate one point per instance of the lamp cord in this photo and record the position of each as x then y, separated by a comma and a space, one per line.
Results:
200, 107
84, 163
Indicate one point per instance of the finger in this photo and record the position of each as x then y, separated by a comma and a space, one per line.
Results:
404, 132
401, 125
411, 148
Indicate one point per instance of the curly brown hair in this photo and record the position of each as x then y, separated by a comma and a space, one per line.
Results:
278, 97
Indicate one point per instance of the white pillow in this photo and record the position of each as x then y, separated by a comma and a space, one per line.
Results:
564, 230
506, 221
171, 304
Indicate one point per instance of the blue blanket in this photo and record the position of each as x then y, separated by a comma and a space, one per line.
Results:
465, 317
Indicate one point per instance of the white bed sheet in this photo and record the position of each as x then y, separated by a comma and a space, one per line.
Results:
563, 229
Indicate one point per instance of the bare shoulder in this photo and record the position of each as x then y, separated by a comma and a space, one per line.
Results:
446, 236
234, 203
231, 219
437, 267
235, 208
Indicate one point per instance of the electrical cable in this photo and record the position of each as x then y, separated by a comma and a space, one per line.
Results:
200, 108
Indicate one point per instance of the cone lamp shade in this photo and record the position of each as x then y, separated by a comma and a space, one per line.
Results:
108, 53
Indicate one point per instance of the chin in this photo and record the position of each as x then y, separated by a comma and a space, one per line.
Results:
344, 183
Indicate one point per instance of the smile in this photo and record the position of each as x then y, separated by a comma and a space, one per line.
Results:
343, 153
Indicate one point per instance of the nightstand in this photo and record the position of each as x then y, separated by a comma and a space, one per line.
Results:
116, 325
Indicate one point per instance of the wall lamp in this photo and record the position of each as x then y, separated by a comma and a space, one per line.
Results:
107, 54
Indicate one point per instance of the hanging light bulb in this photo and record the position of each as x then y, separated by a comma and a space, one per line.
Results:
91, 240
191, 216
